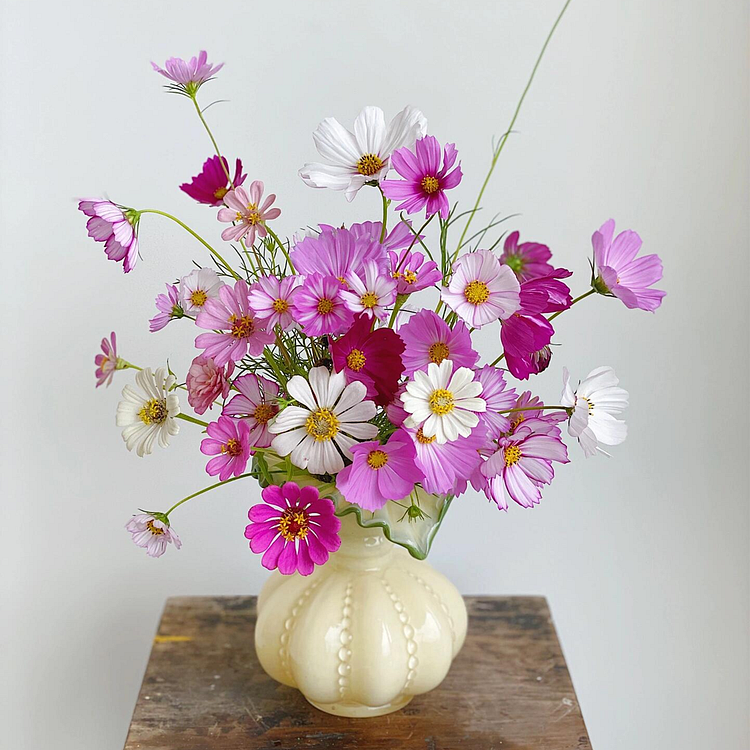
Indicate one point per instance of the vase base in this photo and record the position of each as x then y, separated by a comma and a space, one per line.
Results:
359, 710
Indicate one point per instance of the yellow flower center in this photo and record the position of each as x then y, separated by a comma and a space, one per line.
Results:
588, 404
243, 327
263, 413
252, 217
294, 524
516, 421
198, 298
441, 402
155, 530
153, 412
280, 305
423, 439
477, 292
219, 193
369, 300
322, 424
356, 360
369, 164
377, 459
410, 277
512, 455
325, 305
232, 448
438, 352
430, 184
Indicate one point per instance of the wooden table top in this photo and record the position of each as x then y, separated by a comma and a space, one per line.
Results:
508, 689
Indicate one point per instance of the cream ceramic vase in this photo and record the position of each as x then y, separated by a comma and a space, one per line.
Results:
364, 633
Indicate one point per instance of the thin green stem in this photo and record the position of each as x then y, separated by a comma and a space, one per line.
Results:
532, 408
400, 299
213, 140
188, 418
499, 359
385, 214
208, 489
577, 299
282, 247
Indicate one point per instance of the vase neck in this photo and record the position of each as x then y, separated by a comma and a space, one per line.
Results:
366, 549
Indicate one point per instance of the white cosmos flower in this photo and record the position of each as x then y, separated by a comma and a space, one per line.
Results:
150, 414
594, 403
334, 416
352, 159
444, 402
198, 287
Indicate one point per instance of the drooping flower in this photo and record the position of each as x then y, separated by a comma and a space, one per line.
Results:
240, 332
443, 401
332, 418
355, 159
169, 309
412, 271
319, 306
481, 290
116, 227
498, 397
379, 473
228, 442
256, 404
153, 533
623, 275
245, 208
371, 293
197, 288
294, 527
595, 402
206, 382
272, 299
212, 184
107, 362
188, 75
150, 414
528, 260
429, 338
370, 357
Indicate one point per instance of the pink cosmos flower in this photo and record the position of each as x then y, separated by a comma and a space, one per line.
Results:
272, 299
197, 288
229, 442
481, 290
294, 527
412, 271
428, 338
211, 185
527, 260
498, 397
371, 293
256, 405
153, 533
371, 357
394, 410
115, 227
379, 473
189, 75
401, 236
319, 306
533, 417
169, 308
207, 382
240, 333
425, 181
106, 363
245, 208
623, 275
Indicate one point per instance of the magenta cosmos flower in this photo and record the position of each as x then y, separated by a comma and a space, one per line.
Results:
412, 271
153, 533
169, 309
498, 397
272, 299
379, 473
401, 236
623, 275
106, 362
228, 442
188, 75
207, 382
294, 527
319, 306
212, 184
239, 331
370, 357
245, 208
115, 227
256, 404
527, 260
428, 338
424, 179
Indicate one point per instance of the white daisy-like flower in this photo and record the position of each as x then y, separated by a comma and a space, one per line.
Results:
371, 295
354, 159
333, 418
150, 414
445, 403
197, 288
594, 403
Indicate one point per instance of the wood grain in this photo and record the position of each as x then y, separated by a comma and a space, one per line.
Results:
508, 689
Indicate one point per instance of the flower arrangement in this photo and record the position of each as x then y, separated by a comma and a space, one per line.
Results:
337, 367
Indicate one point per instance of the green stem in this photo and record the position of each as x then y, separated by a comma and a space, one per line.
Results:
400, 299
577, 299
207, 489
385, 214
533, 408
499, 359
213, 140
188, 418
282, 247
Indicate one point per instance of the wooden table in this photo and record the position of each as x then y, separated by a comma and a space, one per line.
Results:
508, 689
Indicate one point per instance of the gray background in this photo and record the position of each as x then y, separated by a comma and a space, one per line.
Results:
639, 112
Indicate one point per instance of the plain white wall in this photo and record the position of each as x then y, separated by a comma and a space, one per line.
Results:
639, 111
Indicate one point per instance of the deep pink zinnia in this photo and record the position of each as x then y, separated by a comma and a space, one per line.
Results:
117, 228
228, 442
188, 75
371, 357
106, 362
319, 306
294, 527
212, 184
249, 215
527, 259
623, 275
256, 404
206, 382
425, 181
169, 309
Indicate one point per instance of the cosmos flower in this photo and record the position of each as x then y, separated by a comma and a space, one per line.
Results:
188, 76
107, 362
527, 260
117, 228
319, 306
229, 443
412, 271
197, 288
370, 294
207, 382
152, 533
256, 404
245, 208
169, 309
498, 397
272, 299
212, 184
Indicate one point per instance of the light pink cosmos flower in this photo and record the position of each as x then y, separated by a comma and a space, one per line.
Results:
245, 208
169, 309
106, 363
370, 293
240, 332
412, 271
481, 290
153, 533
191, 74
197, 288
256, 404
272, 299
294, 527
498, 397
622, 274
319, 306
228, 442
540, 420
207, 382
115, 227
